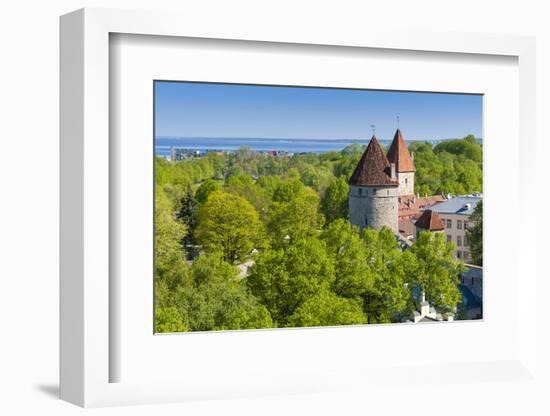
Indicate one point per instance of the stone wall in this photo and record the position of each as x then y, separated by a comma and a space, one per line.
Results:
406, 183
374, 207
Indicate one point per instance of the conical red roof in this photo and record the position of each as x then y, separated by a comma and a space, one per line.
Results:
399, 154
373, 169
430, 221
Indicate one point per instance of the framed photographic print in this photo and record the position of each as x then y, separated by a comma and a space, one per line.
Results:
262, 212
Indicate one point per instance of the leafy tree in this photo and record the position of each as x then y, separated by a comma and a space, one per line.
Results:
436, 271
387, 299
169, 320
188, 214
205, 189
245, 186
218, 300
283, 279
325, 308
474, 233
334, 203
169, 256
353, 274
229, 224
297, 218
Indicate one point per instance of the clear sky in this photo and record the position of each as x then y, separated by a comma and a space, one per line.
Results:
228, 110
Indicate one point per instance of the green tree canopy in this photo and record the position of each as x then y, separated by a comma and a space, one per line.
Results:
325, 308
436, 271
334, 203
283, 279
230, 225
474, 233
388, 297
205, 189
295, 219
218, 300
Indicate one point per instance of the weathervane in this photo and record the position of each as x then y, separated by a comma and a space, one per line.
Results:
373, 127
397, 120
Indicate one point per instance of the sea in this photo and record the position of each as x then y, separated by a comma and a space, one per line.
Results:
162, 144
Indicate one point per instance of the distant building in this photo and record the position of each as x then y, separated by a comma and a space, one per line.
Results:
455, 214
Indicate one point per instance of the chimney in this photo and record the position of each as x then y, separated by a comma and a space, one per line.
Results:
393, 176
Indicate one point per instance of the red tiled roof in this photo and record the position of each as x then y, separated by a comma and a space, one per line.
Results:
373, 169
406, 227
430, 221
399, 154
411, 205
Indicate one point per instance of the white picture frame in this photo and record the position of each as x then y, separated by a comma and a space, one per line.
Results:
87, 356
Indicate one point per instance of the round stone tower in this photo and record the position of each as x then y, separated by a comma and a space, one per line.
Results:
374, 190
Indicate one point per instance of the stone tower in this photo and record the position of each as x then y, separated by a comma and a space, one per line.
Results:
404, 164
374, 190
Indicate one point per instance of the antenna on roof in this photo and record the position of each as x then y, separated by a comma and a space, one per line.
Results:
373, 127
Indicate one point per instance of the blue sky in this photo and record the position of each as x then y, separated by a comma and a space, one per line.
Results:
228, 110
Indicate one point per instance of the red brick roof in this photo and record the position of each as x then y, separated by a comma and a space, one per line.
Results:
430, 221
411, 205
399, 154
373, 169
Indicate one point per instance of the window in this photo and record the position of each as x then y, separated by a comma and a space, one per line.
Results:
467, 257
360, 191
449, 224
465, 224
459, 254
459, 224
458, 241
406, 181
449, 238
465, 240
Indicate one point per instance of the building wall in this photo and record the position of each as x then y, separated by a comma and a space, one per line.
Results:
457, 234
374, 207
406, 183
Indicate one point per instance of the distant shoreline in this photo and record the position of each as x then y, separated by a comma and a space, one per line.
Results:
283, 139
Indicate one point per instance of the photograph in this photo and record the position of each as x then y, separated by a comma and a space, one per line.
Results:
301, 206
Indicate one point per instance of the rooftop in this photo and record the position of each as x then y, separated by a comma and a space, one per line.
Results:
462, 205
373, 168
430, 221
399, 154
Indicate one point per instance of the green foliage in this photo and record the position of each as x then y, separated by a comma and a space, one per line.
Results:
230, 225
474, 233
388, 296
218, 300
205, 189
313, 268
169, 320
169, 256
334, 204
325, 309
283, 279
295, 219
436, 271
188, 213
353, 274
452, 166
